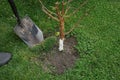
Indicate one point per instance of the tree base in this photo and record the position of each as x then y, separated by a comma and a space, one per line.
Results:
55, 61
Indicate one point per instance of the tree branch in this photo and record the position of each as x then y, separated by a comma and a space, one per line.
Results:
50, 15
48, 12
81, 18
67, 9
46, 8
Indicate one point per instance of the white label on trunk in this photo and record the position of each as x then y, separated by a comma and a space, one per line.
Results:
61, 45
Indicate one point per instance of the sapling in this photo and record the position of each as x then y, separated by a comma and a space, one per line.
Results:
60, 13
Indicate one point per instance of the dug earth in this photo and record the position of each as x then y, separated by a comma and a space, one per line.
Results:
57, 62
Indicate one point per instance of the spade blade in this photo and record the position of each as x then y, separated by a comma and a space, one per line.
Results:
29, 32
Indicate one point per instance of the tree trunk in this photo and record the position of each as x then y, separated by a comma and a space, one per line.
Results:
62, 35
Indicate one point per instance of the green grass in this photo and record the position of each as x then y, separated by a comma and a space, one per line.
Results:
98, 42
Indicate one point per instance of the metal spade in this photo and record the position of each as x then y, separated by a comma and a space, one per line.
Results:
26, 29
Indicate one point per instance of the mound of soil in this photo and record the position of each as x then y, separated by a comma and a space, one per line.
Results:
57, 62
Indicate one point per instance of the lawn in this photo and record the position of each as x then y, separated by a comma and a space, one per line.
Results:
98, 37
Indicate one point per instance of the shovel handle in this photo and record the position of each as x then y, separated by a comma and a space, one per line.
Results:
14, 9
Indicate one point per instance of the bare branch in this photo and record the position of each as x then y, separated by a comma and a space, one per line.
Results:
46, 8
67, 9
67, 5
81, 18
50, 15
51, 12
48, 12
85, 2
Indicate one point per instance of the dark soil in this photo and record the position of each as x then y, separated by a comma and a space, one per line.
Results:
57, 62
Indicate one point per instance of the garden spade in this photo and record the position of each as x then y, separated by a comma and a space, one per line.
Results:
26, 29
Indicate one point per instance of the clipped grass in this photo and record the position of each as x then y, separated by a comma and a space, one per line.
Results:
98, 42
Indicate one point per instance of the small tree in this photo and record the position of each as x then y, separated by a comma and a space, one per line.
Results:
60, 16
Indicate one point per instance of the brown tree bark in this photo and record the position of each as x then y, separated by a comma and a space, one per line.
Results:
62, 35
61, 20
